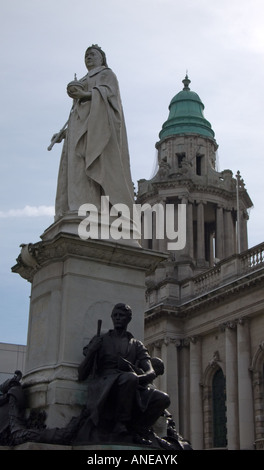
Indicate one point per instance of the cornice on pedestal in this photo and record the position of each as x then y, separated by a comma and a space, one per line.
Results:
35, 256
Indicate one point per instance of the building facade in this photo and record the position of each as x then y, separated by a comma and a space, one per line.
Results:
205, 303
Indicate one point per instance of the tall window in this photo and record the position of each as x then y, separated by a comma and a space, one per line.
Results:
199, 164
219, 409
180, 158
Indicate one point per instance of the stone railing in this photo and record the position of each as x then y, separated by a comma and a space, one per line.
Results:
233, 267
207, 280
223, 273
252, 259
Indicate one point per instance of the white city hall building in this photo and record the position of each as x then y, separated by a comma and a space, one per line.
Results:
205, 304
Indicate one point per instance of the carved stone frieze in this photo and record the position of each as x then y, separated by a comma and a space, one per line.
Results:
35, 256
167, 340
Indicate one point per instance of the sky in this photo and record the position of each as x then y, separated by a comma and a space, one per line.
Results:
150, 44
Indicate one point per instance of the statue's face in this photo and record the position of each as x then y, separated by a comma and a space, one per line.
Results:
120, 319
93, 59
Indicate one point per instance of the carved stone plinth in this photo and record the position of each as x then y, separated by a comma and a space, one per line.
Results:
74, 283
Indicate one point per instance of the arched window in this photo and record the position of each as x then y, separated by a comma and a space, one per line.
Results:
219, 409
257, 370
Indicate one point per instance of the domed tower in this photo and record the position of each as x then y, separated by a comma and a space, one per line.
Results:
215, 203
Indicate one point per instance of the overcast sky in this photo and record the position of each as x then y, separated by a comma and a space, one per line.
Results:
149, 45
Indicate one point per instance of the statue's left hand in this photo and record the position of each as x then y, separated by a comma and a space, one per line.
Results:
77, 93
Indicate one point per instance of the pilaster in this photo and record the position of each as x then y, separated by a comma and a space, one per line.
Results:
219, 232
196, 412
200, 234
245, 396
229, 233
231, 386
184, 388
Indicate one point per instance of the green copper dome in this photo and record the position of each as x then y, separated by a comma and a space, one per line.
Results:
186, 115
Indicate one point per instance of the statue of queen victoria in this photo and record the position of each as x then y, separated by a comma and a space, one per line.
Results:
95, 156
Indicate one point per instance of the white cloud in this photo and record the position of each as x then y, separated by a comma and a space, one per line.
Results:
28, 211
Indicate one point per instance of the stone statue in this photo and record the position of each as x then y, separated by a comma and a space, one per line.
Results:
95, 156
121, 403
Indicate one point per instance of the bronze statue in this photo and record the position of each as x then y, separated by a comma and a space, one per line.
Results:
16, 428
120, 401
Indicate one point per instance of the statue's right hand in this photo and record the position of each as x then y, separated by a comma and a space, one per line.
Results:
94, 345
58, 137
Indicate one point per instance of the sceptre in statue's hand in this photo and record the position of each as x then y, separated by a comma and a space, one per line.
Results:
59, 136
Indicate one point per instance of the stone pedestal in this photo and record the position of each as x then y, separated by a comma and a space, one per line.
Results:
74, 283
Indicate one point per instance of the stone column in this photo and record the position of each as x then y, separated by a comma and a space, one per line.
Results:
189, 244
185, 251
157, 353
211, 250
155, 241
200, 234
219, 233
169, 380
184, 387
173, 379
231, 386
162, 243
245, 395
163, 378
196, 412
229, 234
243, 231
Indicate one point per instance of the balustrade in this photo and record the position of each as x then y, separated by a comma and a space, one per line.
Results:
246, 262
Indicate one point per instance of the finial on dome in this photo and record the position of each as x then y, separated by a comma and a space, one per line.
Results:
186, 81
